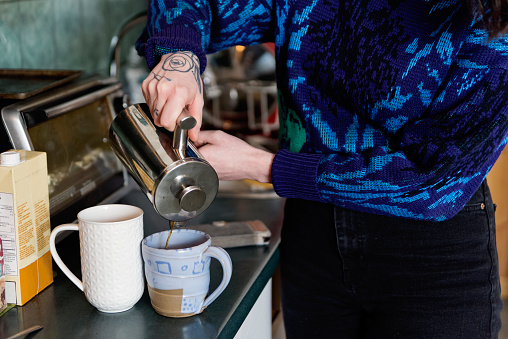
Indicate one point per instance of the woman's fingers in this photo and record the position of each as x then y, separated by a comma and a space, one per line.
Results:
210, 137
232, 158
196, 110
170, 112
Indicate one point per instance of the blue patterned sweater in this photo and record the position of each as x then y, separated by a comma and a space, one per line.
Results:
391, 107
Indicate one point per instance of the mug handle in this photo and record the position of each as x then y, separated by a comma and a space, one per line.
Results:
227, 269
56, 257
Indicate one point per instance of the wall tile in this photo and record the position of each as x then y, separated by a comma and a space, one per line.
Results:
10, 44
102, 19
62, 34
97, 34
70, 49
37, 34
124, 15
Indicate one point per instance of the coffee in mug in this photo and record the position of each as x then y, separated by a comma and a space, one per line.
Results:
178, 277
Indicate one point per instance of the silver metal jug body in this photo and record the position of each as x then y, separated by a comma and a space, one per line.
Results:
180, 187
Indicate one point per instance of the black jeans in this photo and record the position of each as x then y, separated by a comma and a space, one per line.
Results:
348, 274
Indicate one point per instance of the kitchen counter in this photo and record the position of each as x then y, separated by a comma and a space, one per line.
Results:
64, 312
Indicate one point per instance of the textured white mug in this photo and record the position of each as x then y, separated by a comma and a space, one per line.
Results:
178, 277
110, 247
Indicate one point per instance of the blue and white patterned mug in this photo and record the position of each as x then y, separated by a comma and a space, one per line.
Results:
178, 277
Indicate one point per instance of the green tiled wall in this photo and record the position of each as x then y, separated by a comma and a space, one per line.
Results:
62, 34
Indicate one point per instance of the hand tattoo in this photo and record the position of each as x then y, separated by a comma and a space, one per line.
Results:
183, 62
155, 109
160, 77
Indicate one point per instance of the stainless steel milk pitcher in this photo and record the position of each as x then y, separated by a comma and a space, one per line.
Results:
170, 171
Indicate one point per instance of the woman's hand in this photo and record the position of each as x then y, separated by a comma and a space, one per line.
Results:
174, 85
234, 159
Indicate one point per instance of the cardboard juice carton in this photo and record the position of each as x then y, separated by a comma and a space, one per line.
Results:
25, 224
3, 301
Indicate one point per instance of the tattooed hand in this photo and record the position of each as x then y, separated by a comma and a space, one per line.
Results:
174, 85
183, 62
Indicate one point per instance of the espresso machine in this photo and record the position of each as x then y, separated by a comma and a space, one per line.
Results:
168, 168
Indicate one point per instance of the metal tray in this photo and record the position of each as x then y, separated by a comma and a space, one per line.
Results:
24, 83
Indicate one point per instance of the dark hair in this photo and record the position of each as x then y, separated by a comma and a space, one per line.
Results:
494, 15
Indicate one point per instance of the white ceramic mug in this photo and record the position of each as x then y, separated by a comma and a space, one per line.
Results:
111, 265
178, 277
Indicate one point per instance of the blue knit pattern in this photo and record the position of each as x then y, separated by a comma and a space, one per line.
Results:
396, 108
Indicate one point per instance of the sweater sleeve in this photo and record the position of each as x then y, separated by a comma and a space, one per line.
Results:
432, 166
203, 26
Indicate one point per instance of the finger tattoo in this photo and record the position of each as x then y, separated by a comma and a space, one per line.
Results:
155, 109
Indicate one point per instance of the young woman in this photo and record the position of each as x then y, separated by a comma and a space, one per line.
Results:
392, 114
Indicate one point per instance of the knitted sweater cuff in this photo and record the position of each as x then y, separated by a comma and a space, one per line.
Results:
174, 38
294, 175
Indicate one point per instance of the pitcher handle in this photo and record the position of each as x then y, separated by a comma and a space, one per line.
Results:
181, 141
56, 257
184, 122
227, 269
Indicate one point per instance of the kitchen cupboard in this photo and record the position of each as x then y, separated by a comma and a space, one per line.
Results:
498, 183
